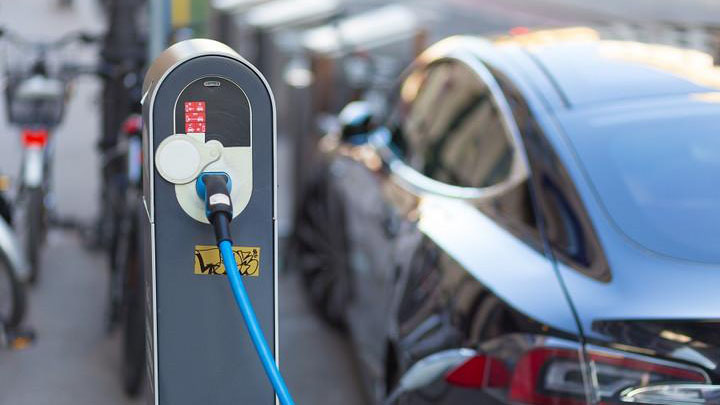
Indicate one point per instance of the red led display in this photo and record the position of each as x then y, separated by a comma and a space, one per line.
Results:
195, 117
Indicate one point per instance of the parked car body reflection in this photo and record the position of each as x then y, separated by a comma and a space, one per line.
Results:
473, 255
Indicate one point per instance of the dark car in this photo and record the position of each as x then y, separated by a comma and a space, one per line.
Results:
533, 219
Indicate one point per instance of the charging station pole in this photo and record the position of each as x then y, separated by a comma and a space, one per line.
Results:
206, 109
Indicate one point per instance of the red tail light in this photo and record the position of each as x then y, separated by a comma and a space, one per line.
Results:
480, 372
132, 125
616, 372
553, 376
34, 137
547, 375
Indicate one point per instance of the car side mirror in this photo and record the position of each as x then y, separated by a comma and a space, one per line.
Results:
356, 122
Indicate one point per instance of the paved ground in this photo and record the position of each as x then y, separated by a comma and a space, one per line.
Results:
75, 361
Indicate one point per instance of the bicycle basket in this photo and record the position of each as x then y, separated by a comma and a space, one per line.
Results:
36, 100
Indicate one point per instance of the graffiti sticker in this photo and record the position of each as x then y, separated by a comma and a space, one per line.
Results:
209, 262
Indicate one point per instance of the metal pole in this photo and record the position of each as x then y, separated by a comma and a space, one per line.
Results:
159, 27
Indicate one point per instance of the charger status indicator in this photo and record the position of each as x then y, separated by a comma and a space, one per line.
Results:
195, 117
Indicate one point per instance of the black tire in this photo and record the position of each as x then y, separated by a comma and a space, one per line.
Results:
133, 367
12, 296
121, 249
35, 232
320, 251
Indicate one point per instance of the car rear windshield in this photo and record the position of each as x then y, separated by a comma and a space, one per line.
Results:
657, 172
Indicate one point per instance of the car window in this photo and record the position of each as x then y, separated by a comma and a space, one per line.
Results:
655, 170
567, 224
445, 125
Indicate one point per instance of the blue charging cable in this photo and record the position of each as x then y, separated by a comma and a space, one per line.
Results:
214, 189
261, 346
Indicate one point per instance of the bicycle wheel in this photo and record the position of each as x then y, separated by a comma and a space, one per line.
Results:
12, 295
134, 322
35, 217
119, 256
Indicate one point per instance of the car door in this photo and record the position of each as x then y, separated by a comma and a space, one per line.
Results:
470, 268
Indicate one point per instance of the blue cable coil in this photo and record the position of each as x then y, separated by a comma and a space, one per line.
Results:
253, 326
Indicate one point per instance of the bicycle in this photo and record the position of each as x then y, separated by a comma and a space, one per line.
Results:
123, 56
36, 94
128, 279
126, 303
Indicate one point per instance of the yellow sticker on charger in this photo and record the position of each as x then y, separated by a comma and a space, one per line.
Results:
209, 262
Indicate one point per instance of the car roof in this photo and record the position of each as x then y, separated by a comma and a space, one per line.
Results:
589, 67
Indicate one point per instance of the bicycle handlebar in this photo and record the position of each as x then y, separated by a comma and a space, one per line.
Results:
103, 70
72, 70
67, 39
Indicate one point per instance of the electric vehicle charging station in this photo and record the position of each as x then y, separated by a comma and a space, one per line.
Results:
208, 113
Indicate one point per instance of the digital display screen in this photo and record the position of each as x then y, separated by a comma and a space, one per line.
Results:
216, 107
195, 117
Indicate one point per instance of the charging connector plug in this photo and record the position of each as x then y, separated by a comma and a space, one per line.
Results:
214, 189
